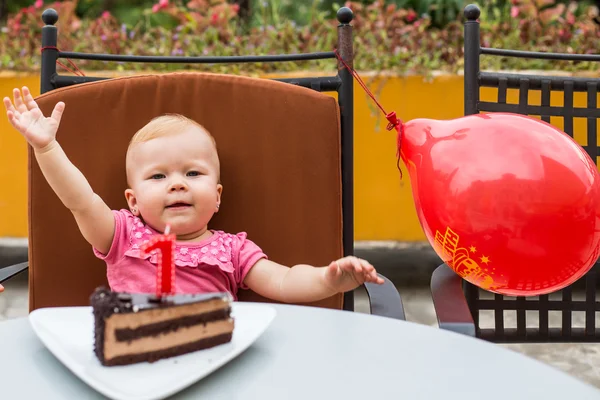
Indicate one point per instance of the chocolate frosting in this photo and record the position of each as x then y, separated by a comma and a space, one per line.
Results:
118, 302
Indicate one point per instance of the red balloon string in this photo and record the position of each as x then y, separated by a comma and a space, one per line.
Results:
393, 121
77, 72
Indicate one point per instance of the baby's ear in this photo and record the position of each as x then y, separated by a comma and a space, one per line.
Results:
219, 192
132, 202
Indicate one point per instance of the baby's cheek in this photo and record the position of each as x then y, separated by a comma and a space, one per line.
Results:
151, 211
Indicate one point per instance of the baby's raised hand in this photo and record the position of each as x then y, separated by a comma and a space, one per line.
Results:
350, 272
27, 118
1, 288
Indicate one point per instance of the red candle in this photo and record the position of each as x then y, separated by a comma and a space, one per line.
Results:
165, 273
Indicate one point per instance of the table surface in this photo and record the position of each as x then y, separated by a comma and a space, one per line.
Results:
313, 353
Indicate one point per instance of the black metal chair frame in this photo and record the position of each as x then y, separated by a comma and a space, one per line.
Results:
385, 299
458, 303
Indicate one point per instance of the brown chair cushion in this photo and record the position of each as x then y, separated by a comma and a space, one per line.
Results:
280, 153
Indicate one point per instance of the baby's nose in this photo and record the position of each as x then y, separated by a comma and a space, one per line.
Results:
178, 186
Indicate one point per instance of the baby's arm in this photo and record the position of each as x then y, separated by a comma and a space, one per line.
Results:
93, 216
304, 283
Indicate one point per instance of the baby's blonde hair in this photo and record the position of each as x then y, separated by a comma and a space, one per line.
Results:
167, 125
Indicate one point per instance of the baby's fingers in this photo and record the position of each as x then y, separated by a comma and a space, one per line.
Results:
14, 120
29, 101
333, 270
374, 278
18, 99
357, 265
366, 265
9, 105
57, 113
350, 265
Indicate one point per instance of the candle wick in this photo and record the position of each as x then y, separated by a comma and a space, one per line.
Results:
167, 229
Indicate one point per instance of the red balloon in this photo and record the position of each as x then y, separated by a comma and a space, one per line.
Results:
509, 202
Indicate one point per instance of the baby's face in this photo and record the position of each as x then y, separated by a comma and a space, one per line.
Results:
174, 180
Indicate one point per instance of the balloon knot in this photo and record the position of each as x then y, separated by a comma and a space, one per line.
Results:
394, 122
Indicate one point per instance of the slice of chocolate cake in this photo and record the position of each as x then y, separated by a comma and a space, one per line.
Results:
132, 328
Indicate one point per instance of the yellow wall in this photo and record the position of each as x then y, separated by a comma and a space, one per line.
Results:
13, 163
384, 208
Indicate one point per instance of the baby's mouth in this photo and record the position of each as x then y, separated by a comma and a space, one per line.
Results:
178, 205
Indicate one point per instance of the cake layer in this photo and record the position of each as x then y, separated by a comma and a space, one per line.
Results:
128, 334
162, 313
114, 348
170, 352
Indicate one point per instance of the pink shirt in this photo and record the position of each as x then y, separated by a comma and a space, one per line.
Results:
216, 264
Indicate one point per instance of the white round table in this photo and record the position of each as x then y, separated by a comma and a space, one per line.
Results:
311, 353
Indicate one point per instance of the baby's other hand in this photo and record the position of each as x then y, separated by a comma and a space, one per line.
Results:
26, 117
350, 272
1, 288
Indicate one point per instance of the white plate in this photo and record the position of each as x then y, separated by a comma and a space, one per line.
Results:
68, 332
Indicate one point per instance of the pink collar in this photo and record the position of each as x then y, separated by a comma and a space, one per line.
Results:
215, 250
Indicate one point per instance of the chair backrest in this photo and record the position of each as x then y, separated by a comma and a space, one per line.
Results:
569, 314
285, 151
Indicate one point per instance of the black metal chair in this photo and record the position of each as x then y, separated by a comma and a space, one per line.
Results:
460, 305
384, 299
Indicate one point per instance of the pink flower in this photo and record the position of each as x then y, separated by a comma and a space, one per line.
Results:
105, 15
160, 5
38, 3
514, 11
411, 16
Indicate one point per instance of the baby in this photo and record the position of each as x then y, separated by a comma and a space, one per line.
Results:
172, 168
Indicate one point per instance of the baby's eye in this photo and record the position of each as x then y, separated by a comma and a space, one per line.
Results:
193, 173
157, 176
